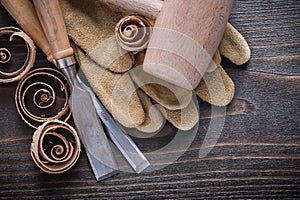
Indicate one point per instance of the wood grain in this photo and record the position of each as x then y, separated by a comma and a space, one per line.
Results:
257, 155
179, 51
50, 15
18, 6
149, 9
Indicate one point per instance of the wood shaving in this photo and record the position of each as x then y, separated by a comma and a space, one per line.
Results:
55, 147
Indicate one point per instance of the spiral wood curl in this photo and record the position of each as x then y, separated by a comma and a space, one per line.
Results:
5, 56
133, 33
43, 95
55, 147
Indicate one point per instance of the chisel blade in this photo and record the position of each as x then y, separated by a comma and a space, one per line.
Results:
90, 129
124, 143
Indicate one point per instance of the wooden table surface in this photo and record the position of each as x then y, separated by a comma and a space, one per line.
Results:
256, 156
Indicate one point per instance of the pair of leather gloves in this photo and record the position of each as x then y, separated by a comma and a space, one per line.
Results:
134, 98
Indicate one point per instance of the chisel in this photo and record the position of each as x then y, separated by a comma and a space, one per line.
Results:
84, 114
123, 142
24, 13
55, 43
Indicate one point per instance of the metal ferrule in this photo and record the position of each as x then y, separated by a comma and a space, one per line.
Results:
65, 62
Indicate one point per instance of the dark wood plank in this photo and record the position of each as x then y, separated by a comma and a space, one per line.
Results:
257, 155
272, 29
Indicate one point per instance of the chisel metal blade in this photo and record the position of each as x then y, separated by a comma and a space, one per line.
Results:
123, 142
87, 123
90, 129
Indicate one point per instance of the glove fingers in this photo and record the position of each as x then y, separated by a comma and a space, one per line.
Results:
216, 87
90, 24
154, 121
114, 91
168, 95
184, 119
234, 46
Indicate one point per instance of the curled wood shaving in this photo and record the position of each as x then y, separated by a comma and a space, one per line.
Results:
55, 147
43, 95
7, 77
5, 55
133, 33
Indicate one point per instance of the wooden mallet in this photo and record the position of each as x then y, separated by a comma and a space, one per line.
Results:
184, 39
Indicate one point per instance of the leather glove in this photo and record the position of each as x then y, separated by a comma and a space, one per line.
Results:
216, 87
129, 95
90, 25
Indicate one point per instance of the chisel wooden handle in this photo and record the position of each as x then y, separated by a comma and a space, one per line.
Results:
88, 125
24, 14
185, 37
51, 18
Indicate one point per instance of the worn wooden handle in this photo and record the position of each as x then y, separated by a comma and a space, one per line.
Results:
145, 8
24, 14
185, 37
52, 21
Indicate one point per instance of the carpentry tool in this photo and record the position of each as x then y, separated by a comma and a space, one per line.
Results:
84, 114
146, 8
185, 37
24, 13
85, 117
123, 142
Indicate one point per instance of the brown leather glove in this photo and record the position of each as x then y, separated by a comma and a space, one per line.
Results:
108, 68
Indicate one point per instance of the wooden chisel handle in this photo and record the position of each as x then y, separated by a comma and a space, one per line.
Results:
88, 125
52, 21
185, 37
24, 14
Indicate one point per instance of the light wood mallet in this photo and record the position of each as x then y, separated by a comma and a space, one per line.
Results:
185, 38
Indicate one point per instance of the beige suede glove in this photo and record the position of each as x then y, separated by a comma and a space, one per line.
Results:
91, 25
